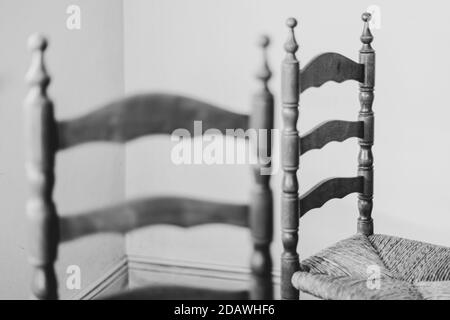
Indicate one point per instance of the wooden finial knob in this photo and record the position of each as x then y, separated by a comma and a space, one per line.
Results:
37, 73
37, 42
366, 37
291, 22
366, 17
291, 45
264, 74
264, 41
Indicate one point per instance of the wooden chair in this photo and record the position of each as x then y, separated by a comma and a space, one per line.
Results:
367, 265
121, 122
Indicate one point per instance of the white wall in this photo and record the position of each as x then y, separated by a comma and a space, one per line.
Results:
207, 49
86, 69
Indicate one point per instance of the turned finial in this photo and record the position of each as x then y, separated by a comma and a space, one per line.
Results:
37, 73
264, 41
37, 42
264, 74
291, 45
366, 37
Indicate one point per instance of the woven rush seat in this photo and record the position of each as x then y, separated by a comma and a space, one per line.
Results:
407, 270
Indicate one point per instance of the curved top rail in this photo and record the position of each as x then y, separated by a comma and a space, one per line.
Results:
139, 115
330, 67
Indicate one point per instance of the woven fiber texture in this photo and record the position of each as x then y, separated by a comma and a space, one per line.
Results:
353, 288
406, 269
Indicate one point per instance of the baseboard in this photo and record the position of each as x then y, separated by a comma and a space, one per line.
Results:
136, 271
115, 279
151, 270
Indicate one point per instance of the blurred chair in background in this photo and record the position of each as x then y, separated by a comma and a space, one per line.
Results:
121, 122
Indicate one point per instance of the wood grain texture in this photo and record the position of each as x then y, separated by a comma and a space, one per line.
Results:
182, 212
329, 67
334, 130
40, 160
329, 189
146, 114
366, 115
176, 292
290, 154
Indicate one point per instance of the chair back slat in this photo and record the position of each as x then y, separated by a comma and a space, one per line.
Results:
122, 218
147, 114
334, 130
334, 188
330, 67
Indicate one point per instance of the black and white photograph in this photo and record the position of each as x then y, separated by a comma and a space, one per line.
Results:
224, 151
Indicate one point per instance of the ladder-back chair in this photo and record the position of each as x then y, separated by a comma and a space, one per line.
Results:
365, 266
121, 122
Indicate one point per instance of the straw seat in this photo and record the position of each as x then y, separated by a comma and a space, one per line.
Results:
377, 267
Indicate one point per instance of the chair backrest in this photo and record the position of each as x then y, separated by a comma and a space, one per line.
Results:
120, 122
323, 68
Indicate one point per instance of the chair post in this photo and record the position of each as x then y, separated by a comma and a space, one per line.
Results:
290, 162
261, 212
365, 158
40, 135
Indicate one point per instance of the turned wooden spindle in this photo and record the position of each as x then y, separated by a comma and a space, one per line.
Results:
261, 208
290, 162
40, 137
365, 158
